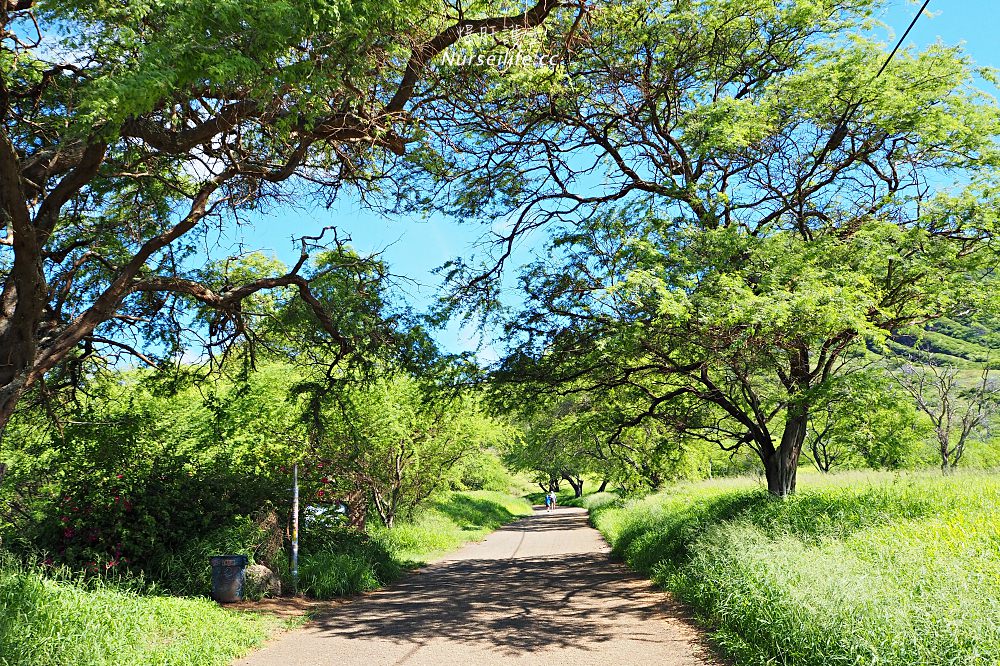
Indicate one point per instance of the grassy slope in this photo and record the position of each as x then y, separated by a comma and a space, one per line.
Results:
442, 524
45, 622
857, 569
950, 342
449, 522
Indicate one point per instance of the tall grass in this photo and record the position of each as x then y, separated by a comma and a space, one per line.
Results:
862, 569
449, 522
47, 622
346, 563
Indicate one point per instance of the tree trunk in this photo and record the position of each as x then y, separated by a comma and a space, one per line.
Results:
781, 465
577, 484
10, 393
821, 458
604, 486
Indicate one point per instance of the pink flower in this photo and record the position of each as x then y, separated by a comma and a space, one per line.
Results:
320, 493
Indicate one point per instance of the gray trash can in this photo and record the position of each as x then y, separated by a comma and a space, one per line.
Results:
228, 572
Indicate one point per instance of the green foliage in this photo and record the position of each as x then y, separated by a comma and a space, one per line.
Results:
861, 569
482, 470
144, 481
966, 341
398, 439
867, 420
448, 522
44, 622
326, 575
155, 478
185, 570
337, 561
716, 258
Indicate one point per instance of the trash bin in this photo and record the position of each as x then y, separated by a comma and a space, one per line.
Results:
228, 572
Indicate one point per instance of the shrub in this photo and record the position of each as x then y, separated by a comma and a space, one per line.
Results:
482, 470
326, 574
186, 570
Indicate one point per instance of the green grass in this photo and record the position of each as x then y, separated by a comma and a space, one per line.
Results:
60, 623
854, 569
449, 522
348, 563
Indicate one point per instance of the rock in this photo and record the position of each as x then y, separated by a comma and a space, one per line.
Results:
261, 582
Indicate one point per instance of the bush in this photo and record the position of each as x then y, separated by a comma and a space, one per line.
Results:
186, 570
482, 471
338, 561
325, 575
868, 569
130, 477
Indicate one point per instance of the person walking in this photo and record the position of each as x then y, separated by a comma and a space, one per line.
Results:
550, 499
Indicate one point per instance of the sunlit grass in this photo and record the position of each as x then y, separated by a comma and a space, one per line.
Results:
449, 522
444, 524
47, 622
856, 569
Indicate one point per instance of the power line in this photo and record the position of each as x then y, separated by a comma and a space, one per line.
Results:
901, 39
840, 130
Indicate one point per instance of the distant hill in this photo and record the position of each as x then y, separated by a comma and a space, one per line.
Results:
964, 344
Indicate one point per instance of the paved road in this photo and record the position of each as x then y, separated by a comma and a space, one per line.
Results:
540, 591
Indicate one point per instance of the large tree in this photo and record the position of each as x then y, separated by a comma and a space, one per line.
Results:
745, 192
127, 128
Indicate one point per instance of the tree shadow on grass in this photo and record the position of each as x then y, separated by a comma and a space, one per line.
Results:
473, 513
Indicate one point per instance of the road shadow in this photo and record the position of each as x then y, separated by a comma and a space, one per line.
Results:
560, 519
514, 606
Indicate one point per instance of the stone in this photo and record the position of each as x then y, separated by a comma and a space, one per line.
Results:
261, 582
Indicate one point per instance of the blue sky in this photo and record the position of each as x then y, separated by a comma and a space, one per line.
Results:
415, 246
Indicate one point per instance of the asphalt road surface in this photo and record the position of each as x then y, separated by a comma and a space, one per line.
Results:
540, 591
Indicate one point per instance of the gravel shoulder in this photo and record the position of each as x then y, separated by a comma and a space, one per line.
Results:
540, 590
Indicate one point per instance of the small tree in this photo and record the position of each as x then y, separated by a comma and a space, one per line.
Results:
398, 443
865, 420
960, 414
